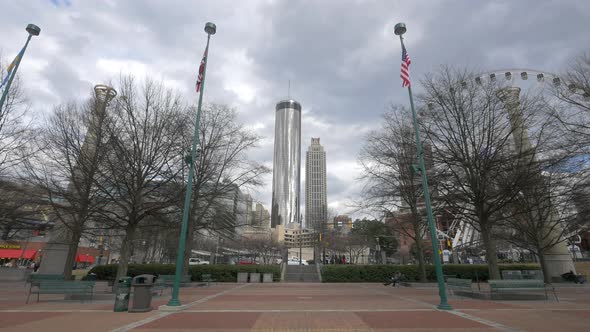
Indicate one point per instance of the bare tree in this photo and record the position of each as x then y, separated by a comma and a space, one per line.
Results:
264, 247
72, 145
574, 110
356, 245
222, 170
543, 215
472, 141
15, 130
392, 188
15, 148
144, 151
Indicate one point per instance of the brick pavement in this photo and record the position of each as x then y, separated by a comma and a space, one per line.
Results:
299, 307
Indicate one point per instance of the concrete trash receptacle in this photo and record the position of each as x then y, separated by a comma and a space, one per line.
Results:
242, 277
142, 292
254, 277
267, 277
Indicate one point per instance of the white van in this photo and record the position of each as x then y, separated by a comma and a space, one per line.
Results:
197, 261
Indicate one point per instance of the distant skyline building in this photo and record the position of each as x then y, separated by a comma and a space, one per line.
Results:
261, 217
316, 201
286, 173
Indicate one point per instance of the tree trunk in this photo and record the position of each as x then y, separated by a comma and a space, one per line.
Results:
544, 267
72, 253
491, 256
125, 253
421, 263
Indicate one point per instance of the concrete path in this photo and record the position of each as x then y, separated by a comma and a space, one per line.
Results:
299, 307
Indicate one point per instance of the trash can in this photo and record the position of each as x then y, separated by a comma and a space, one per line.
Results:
142, 292
122, 297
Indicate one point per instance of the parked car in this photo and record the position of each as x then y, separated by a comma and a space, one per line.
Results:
197, 261
295, 261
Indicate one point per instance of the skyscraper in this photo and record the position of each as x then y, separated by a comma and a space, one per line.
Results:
315, 186
286, 172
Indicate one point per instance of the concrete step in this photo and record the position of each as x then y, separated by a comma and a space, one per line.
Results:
301, 273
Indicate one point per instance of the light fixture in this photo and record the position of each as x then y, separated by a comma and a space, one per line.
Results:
493, 77
524, 75
478, 80
556, 81
540, 77
508, 75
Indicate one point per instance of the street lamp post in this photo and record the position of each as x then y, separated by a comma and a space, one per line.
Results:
399, 30
210, 29
33, 30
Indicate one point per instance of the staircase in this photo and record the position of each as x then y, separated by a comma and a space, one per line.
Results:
301, 273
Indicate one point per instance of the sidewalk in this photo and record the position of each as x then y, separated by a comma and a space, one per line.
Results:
299, 307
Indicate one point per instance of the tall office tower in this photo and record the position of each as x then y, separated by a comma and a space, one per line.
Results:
286, 171
316, 210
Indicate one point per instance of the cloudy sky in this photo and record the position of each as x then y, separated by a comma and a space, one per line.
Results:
341, 56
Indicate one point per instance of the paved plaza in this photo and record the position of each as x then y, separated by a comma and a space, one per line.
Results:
297, 307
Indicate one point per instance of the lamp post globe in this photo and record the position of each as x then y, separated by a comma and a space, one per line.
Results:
400, 29
33, 30
210, 28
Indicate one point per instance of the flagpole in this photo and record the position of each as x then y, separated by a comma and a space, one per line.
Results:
33, 30
210, 29
400, 29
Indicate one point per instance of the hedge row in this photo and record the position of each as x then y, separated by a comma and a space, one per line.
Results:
221, 273
379, 273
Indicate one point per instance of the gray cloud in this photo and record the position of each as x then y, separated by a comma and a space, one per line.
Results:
341, 57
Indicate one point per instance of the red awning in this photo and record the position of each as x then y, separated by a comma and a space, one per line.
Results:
84, 259
16, 253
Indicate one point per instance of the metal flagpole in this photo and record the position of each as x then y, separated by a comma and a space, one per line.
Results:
210, 29
400, 29
33, 30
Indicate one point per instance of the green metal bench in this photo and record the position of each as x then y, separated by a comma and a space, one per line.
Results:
515, 286
34, 279
462, 285
167, 281
62, 287
208, 279
512, 275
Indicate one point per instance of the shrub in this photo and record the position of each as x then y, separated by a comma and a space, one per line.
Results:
379, 273
222, 273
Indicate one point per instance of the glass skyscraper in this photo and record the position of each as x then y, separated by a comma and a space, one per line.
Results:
316, 200
286, 172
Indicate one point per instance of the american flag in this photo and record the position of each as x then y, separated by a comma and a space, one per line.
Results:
201, 71
405, 72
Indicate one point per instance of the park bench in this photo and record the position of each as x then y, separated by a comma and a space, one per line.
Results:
167, 280
515, 286
462, 285
532, 274
62, 287
512, 275
34, 279
208, 279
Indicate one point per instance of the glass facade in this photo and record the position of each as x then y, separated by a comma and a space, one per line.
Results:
286, 165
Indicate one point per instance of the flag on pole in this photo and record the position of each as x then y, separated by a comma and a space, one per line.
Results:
405, 71
201, 71
11, 67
